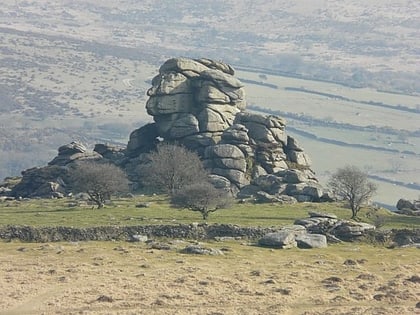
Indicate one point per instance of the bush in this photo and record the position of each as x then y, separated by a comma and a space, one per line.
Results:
98, 180
351, 184
202, 197
170, 168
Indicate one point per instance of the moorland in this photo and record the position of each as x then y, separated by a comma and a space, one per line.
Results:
120, 277
343, 74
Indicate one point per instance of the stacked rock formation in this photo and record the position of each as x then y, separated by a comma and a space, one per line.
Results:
192, 102
50, 180
200, 104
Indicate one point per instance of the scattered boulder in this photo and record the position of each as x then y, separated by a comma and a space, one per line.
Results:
311, 241
317, 214
281, 239
138, 238
73, 151
408, 207
407, 204
334, 228
143, 205
200, 250
349, 230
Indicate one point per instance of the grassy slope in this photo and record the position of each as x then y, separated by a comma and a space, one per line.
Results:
70, 278
47, 212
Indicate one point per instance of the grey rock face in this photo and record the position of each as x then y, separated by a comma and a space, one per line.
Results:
200, 104
71, 152
404, 204
311, 241
194, 97
281, 239
142, 140
45, 182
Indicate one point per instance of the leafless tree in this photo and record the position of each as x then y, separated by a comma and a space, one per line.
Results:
352, 184
202, 197
170, 168
99, 180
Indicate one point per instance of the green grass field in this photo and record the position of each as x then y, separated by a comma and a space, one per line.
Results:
57, 212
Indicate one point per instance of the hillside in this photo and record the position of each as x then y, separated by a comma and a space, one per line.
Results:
78, 70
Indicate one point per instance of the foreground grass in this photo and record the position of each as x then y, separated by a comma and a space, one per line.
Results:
132, 278
58, 212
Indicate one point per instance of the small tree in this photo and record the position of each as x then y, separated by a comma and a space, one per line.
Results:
98, 180
170, 168
352, 184
202, 197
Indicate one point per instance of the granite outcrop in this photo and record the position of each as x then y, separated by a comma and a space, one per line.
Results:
199, 103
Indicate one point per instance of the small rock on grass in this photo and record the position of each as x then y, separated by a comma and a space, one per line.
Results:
199, 250
104, 298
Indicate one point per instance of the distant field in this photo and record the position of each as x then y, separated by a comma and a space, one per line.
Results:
327, 157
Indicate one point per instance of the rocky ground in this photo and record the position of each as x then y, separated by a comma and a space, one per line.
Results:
156, 278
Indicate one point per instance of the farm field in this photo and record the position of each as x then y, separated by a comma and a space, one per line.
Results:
328, 118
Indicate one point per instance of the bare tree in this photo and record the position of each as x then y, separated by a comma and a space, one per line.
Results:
99, 180
202, 197
352, 184
170, 168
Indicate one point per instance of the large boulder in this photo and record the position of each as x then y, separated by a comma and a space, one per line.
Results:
46, 182
311, 241
190, 97
73, 151
281, 239
404, 204
329, 224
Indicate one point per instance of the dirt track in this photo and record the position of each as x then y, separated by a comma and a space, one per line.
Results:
132, 278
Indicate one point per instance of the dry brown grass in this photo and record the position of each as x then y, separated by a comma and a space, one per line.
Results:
131, 278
